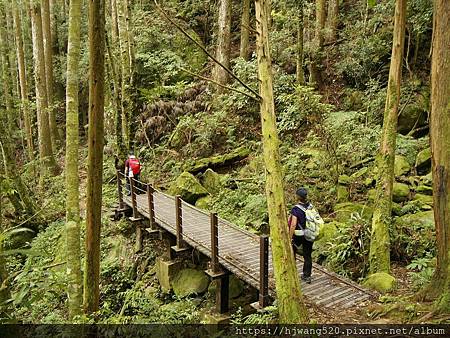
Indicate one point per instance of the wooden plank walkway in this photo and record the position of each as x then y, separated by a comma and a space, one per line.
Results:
239, 252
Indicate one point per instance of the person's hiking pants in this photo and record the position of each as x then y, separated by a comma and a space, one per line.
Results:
306, 253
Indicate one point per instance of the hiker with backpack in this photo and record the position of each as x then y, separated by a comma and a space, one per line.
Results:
132, 170
304, 226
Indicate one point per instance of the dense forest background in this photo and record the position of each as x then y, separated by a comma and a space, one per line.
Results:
197, 131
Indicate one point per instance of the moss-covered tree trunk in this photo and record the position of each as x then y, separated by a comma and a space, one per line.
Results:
379, 256
48, 54
290, 301
440, 149
223, 42
95, 154
245, 32
332, 19
316, 55
25, 104
47, 160
74, 289
125, 70
299, 69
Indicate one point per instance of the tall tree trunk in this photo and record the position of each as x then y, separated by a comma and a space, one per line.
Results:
126, 71
316, 55
95, 154
72, 180
223, 42
379, 256
440, 150
245, 32
299, 70
289, 296
48, 55
48, 163
332, 19
6, 71
23, 81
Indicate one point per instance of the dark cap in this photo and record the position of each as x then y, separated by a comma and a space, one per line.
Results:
302, 192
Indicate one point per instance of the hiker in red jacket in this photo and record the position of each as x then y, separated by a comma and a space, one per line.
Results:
132, 170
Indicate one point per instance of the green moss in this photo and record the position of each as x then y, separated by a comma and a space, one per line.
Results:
236, 287
344, 180
425, 199
211, 181
204, 203
190, 281
400, 192
342, 194
217, 161
188, 187
423, 161
361, 172
344, 211
401, 165
424, 189
427, 179
380, 281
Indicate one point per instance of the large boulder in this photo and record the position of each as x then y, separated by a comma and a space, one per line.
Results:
424, 189
204, 203
425, 199
344, 211
414, 114
235, 287
188, 187
211, 181
423, 162
400, 192
420, 220
328, 234
427, 180
190, 282
401, 165
380, 281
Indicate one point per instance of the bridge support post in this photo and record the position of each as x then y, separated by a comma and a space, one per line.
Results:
220, 277
151, 210
263, 271
180, 246
135, 218
119, 189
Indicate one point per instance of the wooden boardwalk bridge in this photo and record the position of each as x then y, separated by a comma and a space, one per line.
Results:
231, 249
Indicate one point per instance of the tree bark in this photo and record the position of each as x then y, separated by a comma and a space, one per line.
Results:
440, 150
316, 55
72, 144
333, 19
95, 154
25, 104
300, 75
6, 71
223, 43
48, 55
290, 301
379, 256
47, 161
245, 32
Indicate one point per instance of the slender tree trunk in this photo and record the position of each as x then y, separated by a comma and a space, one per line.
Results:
289, 296
379, 257
6, 71
223, 42
95, 154
23, 81
245, 32
440, 149
126, 71
299, 71
72, 180
48, 55
316, 55
48, 163
333, 19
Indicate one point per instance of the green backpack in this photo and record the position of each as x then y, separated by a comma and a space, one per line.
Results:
314, 223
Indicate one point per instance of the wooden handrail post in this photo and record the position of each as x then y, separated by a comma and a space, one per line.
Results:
179, 222
133, 198
151, 206
263, 271
214, 243
119, 189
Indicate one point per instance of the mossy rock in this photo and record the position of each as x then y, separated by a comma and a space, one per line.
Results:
361, 172
424, 189
204, 203
381, 282
427, 180
423, 162
420, 220
344, 180
188, 187
344, 211
400, 192
236, 287
327, 235
342, 194
414, 114
217, 161
212, 181
371, 195
426, 199
396, 209
401, 165
190, 282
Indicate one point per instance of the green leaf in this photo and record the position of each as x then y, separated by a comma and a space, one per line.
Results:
371, 3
